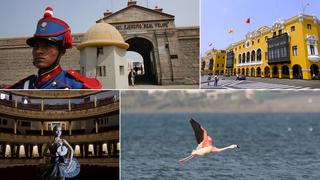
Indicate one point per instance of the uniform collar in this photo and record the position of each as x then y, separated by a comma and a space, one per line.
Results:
45, 77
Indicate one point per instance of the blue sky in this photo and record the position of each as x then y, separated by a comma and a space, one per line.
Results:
19, 17
217, 16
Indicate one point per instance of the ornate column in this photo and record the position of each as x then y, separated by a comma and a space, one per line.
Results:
84, 154
271, 72
95, 100
40, 149
306, 74
70, 128
96, 123
42, 105
86, 150
280, 73
69, 104
15, 126
12, 149
41, 128
291, 73
16, 102
96, 149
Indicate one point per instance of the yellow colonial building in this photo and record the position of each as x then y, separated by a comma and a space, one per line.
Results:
288, 49
213, 62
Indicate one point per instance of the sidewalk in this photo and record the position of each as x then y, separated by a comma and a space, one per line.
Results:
146, 87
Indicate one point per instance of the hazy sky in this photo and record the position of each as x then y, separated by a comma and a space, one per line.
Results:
19, 17
217, 16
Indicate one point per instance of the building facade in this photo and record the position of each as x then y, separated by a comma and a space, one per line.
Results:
170, 54
288, 49
89, 121
213, 62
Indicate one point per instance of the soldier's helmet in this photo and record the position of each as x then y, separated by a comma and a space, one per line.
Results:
52, 29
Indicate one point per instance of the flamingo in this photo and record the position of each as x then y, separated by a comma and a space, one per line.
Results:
205, 143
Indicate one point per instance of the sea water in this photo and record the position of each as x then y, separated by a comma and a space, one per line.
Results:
272, 146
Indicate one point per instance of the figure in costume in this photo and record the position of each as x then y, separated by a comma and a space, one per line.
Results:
49, 43
62, 163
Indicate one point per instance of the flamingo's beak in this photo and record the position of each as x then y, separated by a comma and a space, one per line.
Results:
238, 146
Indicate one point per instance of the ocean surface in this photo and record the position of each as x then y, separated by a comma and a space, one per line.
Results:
272, 146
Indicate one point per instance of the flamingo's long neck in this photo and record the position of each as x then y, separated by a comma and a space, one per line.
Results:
228, 147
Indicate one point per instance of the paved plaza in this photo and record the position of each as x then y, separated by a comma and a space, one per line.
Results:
260, 83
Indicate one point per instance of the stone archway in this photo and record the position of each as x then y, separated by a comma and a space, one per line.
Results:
148, 72
314, 70
275, 72
285, 72
258, 72
266, 72
247, 72
297, 72
253, 73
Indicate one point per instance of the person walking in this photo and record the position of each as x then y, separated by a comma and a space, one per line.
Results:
209, 79
132, 76
216, 79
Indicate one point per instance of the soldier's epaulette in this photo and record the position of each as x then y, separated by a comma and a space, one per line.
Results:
20, 82
88, 83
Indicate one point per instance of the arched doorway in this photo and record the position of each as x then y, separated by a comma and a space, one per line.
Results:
247, 72
275, 72
239, 71
234, 72
314, 69
285, 72
258, 72
266, 72
297, 72
242, 71
252, 72
147, 69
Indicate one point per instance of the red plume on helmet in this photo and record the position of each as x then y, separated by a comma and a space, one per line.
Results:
48, 12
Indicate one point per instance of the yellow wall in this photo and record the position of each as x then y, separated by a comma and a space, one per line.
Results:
218, 57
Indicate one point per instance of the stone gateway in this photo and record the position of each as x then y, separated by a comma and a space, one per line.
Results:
170, 54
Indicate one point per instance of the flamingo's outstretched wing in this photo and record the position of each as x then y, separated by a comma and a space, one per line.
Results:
202, 137
198, 132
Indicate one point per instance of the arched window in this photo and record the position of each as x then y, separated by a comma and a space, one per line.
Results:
239, 59
259, 55
248, 57
253, 56
243, 57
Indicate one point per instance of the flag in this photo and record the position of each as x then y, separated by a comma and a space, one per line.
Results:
231, 30
248, 20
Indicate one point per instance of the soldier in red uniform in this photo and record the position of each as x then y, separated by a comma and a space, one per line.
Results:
49, 43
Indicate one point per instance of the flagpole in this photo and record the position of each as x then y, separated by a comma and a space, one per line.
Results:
232, 37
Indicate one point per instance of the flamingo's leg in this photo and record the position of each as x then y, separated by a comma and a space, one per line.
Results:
182, 161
